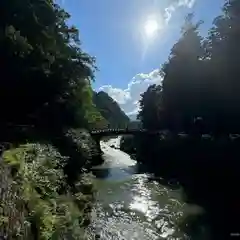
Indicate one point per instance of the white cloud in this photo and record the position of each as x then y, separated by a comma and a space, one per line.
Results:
119, 95
128, 98
175, 5
60, 2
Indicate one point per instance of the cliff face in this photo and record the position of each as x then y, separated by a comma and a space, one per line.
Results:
110, 110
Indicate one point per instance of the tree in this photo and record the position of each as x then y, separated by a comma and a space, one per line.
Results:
110, 110
182, 79
42, 65
224, 54
150, 108
92, 115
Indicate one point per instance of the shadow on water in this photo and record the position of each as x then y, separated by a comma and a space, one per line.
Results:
101, 173
208, 172
115, 173
131, 193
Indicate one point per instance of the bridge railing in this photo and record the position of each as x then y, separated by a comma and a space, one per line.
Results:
117, 131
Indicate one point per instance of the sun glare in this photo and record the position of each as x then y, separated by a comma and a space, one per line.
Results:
151, 27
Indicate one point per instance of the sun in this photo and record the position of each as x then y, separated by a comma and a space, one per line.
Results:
151, 27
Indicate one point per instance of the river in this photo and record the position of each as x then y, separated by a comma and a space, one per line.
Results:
132, 206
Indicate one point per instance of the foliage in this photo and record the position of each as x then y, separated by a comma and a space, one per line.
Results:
135, 124
199, 95
92, 114
52, 208
45, 70
110, 110
182, 80
127, 144
200, 79
82, 150
223, 48
150, 105
45, 89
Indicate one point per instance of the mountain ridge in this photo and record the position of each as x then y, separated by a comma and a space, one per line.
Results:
110, 110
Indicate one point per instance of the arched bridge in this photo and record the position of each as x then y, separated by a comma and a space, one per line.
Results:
113, 132
98, 134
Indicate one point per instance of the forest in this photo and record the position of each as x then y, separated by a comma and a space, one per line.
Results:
200, 79
110, 110
197, 109
47, 113
47, 109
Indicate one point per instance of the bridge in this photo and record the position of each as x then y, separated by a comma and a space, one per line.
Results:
113, 132
99, 134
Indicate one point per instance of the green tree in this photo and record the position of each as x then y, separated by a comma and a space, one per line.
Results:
92, 115
182, 79
110, 110
224, 57
150, 112
42, 65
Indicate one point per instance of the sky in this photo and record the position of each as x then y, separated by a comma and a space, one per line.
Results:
131, 39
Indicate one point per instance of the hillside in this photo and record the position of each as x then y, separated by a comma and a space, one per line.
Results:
110, 110
134, 124
133, 117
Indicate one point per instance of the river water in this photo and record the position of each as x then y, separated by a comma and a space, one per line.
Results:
133, 206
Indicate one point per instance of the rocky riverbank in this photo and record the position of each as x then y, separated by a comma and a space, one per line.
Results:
128, 145
47, 189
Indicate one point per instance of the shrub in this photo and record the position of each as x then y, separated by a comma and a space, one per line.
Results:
39, 204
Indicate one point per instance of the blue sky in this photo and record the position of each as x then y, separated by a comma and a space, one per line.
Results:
128, 59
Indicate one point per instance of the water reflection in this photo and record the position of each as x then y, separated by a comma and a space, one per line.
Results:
101, 173
130, 207
114, 173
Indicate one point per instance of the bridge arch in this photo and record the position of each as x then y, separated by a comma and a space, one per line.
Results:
97, 135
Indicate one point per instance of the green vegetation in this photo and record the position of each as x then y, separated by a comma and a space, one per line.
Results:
134, 125
40, 204
40, 54
93, 115
46, 99
128, 144
200, 79
110, 110
197, 108
46, 102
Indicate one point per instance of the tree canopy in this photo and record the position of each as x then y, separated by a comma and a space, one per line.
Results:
200, 79
45, 73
